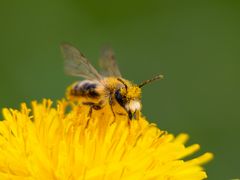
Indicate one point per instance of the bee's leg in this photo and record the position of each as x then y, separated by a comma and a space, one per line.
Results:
90, 111
121, 114
95, 106
111, 105
91, 106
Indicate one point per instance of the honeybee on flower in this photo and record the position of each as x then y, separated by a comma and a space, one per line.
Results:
99, 89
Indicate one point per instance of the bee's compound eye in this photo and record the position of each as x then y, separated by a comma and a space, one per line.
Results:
119, 97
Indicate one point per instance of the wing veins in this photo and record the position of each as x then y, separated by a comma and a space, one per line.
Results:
75, 64
108, 63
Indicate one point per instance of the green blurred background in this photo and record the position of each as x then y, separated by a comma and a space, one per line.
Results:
195, 44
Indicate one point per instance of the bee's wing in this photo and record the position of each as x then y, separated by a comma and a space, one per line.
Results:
108, 63
76, 64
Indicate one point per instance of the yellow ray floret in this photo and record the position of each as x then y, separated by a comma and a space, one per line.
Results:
55, 143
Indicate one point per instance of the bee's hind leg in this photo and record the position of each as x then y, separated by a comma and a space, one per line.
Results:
90, 111
92, 106
95, 106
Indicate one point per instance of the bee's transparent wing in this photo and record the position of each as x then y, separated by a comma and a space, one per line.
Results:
75, 64
108, 63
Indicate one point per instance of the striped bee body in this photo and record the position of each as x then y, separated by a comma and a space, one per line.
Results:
88, 92
86, 89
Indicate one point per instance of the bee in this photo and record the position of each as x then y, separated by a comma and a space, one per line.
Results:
99, 89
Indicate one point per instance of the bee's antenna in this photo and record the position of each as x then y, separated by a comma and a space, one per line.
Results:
119, 79
158, 77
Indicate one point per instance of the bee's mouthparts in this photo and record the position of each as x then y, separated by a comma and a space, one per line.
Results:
133, 115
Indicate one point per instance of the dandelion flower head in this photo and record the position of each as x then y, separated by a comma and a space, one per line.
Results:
47, 142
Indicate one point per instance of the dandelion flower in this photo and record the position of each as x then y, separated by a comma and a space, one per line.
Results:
45, 142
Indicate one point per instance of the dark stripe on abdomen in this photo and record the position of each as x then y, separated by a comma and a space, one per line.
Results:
85, 90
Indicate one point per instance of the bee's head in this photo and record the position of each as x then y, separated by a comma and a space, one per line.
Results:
129, 96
